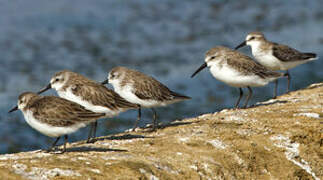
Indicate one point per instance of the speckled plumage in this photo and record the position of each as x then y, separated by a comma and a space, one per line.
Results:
288, 54
275, 56
146, 87
241, 63
237, 70
90, 94
93, 92
54, 116
141, 89
57, 112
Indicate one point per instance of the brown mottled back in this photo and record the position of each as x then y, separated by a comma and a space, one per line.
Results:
60, 112
147, 87
288, 54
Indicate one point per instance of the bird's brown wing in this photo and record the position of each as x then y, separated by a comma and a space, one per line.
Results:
100, 95
247, 66
288, 54
146, 87
60, 112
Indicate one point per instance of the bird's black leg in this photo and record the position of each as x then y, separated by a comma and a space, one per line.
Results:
241, 94
90, 133
275, 89
248, 97
288, 80
138, 119
94, 129
65, 141
155, 123
54, 144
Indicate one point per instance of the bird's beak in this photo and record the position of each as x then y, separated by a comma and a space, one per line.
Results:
49, 86
105, 81
199, 69
241, 45
13, 109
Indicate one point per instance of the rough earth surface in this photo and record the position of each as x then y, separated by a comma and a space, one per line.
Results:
277, 139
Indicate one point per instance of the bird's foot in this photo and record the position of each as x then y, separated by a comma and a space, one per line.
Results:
91, 141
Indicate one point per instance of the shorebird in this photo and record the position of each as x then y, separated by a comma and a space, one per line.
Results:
88, 93
54, 116
275, 56
237, 70
139, 88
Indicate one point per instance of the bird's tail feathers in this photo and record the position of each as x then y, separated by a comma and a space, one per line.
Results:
180, 96
310, 56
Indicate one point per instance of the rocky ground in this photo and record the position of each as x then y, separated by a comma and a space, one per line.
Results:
277, 139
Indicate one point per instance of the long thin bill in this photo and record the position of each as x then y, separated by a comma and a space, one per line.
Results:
199, 69
44, 89
105, 81
13, 109
241, 45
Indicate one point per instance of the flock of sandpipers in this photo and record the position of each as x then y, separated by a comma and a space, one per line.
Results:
83, 101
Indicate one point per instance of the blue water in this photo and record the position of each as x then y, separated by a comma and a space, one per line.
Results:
166, 39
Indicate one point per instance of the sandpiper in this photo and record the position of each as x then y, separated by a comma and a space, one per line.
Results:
88, 93
275, 56
54, 116
139, 88
237, 70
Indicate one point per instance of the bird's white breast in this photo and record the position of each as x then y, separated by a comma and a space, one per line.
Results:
49, 130
265, 57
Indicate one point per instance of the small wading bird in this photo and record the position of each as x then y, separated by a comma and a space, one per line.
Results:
275, 56
90, 94
237, 70
54, 116
139, 88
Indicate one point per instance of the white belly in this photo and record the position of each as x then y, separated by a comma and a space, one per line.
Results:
87, 105
49, 130
236, 79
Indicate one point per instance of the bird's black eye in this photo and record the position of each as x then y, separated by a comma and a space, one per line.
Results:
112, 75
213, 57
251, 38
56, 79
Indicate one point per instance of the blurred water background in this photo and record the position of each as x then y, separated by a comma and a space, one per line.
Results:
164, 38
